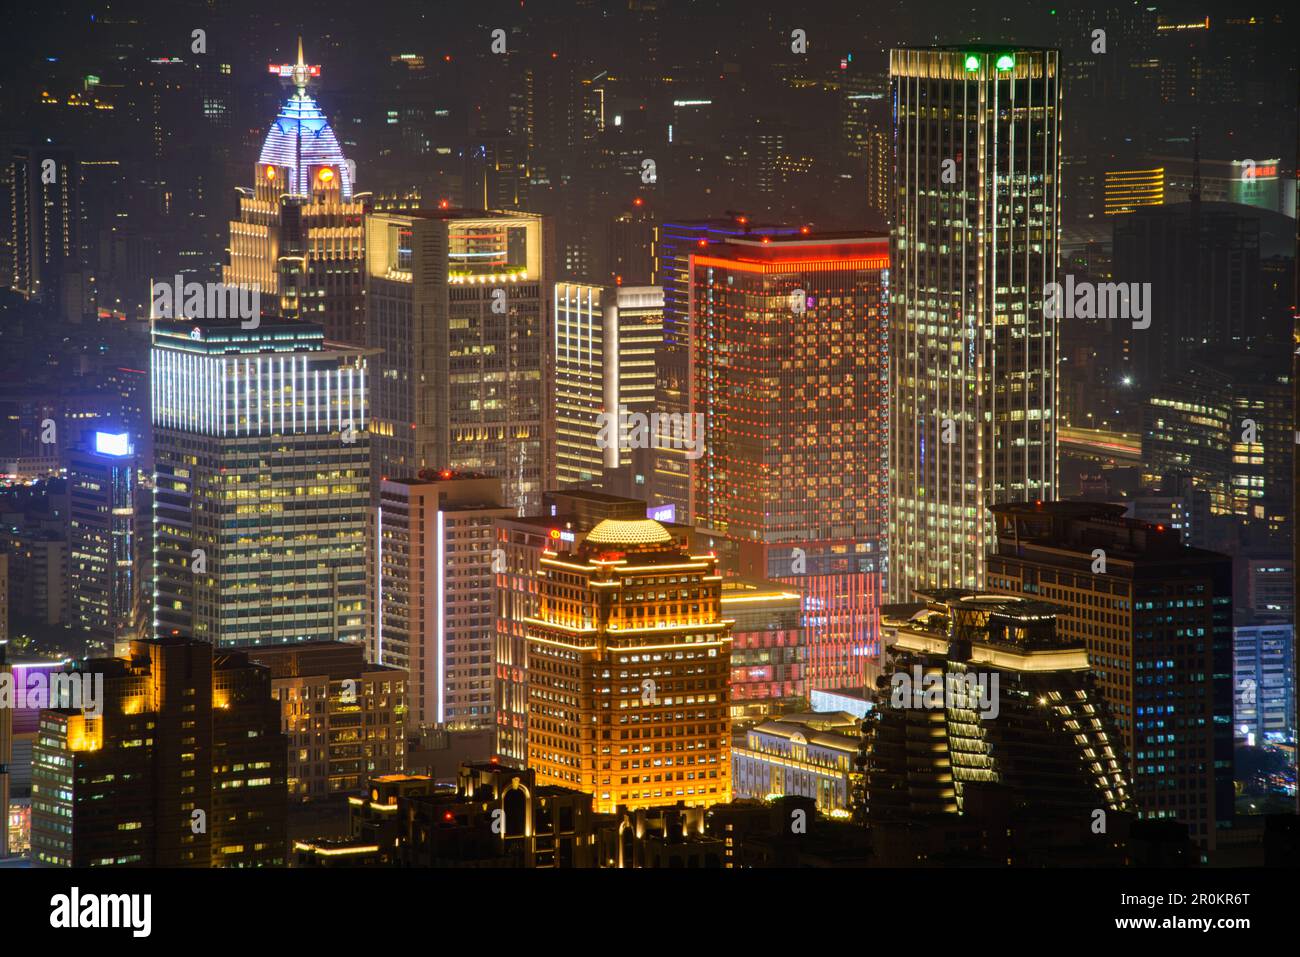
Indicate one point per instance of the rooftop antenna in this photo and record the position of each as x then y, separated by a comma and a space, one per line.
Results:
299, 74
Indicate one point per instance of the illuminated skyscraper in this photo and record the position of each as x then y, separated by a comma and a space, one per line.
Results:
521, 544
972, 356
673, 245
457, 301
789, 371
300, 237
606, 339
261, 483
628, 666
431, 591
45, 211
103, 562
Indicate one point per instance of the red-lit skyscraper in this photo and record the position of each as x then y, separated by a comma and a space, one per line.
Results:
788, 378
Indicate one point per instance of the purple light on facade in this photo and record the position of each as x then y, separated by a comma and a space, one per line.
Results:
301, 140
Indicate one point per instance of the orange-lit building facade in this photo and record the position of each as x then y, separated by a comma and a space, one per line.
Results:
629, 660
789, 370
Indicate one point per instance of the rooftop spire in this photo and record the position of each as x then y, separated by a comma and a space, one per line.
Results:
300, 71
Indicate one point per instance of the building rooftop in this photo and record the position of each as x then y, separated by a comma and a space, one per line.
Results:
613, 531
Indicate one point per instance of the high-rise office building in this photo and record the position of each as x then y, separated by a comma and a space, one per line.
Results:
673, 245
606, 340
1155, 616
261, 483
972, 356
631, 244
984, 690
300, 235
104, 563
1202, 263
788, 381
521, 542
182, 764
628, 666
457, 301
432, 592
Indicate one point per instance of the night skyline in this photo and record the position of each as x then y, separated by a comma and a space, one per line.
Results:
649, 434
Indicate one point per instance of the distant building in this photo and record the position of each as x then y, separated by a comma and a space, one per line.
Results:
457, 300
1225, 423
299, 238
46, 224
4, 596
184, 765
1263, 684
606, 340
973, 354
790, 459
1127, 189
104, 560
38, 572
344, 720
811, 754
674, 244
1201, 261
522, 542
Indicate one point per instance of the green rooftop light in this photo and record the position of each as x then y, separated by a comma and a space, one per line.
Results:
1006, 62
972, 63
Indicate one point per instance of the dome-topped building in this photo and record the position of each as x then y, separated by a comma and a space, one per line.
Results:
615, 531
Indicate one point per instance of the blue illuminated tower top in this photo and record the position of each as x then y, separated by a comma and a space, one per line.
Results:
301, 141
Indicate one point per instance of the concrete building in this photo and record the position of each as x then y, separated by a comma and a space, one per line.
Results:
606, 340
262, 470
973, 354
457, 300
344, 720
432, 592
